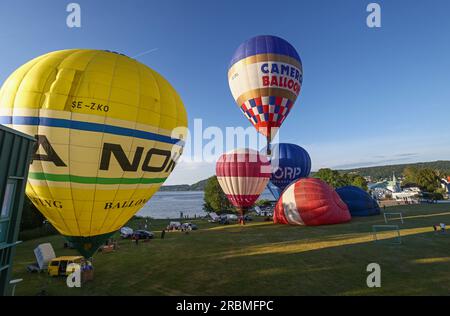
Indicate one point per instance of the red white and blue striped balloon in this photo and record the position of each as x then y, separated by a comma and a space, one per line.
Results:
265, 77
243, 175
311, 202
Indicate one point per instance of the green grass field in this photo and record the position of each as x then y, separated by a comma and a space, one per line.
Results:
264, 259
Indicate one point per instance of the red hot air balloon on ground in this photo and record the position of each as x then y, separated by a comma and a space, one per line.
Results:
310, 202
243, 175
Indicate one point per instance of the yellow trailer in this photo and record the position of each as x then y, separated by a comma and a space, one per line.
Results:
61, 265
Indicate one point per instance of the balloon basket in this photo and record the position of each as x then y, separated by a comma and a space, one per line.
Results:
87, 275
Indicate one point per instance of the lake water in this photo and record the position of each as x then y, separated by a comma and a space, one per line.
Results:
168, 204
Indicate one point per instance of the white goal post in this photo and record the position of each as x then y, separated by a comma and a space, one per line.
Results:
393, 216
387, 228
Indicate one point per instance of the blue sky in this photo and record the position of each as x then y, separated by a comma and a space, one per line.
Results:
369, 96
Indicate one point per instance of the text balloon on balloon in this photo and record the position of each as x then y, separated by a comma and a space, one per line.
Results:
103, 124
265, 78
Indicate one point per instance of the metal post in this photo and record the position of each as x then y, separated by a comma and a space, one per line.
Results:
14, 284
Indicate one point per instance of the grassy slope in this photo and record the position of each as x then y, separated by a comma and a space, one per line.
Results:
265, 259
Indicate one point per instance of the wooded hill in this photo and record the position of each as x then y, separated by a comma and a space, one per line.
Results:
376, 173
382, 172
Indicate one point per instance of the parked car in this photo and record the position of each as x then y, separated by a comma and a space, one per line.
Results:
230, 217
126, 232
193, 226
189, 225
142, 234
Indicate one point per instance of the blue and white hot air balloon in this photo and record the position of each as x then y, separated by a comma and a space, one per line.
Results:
289, 163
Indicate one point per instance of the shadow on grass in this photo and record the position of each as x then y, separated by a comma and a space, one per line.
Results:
341, 270
263, 259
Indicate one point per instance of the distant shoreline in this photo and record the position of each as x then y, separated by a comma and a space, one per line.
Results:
376, 172
179, 188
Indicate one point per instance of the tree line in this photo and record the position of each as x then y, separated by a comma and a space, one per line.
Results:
216, 201
385, 172
427, 179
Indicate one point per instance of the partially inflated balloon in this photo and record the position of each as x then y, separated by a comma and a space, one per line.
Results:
265, 78
289, 163
359, 202
103, 124
311, 202
243, 175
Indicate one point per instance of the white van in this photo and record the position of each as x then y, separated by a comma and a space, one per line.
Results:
126, 232
174, 226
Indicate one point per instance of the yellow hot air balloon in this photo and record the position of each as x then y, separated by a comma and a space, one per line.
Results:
109, 131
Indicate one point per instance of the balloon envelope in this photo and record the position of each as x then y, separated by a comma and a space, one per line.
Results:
103, 124
289, 162
265, 77
243, 175
359, 202
311, 202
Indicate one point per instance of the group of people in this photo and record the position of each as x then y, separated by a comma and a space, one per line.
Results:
183, 227
442, 227
186, 228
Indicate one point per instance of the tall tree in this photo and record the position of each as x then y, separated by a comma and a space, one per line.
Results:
410, 175
357, 181
425, 178
337, 179
428, 180
215, 200
332, 177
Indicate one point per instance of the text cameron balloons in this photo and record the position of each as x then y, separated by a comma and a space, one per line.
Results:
243, 175
289, 163
103, 124
310, 202
265, 77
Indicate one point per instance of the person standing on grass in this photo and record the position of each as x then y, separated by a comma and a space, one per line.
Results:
163, 233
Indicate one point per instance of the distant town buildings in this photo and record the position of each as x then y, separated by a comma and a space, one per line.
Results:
391, 189
408, 194
394, 185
